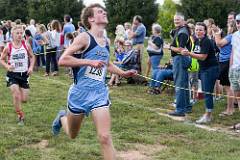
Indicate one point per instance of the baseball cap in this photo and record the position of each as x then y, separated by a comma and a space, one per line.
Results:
238, 17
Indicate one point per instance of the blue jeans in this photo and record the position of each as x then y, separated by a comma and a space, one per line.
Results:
208, 78
180, 76
155, 61
160, 75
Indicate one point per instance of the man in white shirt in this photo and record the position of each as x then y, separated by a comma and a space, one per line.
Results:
32, 27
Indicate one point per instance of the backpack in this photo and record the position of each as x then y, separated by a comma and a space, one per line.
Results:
194, 67
36, 47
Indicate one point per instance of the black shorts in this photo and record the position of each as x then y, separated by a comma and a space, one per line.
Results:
20, 79
223, 76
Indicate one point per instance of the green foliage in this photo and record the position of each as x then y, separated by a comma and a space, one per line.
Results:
55, 9
41, 10
200, 10
121, 11
165, 17
13, 9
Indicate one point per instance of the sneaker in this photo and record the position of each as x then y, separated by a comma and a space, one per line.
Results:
204, 119
55, 73
189, 111
150, 91
176, 114
20, 121
157, 90
218, 98
56, 125
193, 101
46, 75
173, 104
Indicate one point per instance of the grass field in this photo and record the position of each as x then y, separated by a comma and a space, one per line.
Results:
138, 131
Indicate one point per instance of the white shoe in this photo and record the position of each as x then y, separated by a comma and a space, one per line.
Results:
204, 119
173, 104
192, 101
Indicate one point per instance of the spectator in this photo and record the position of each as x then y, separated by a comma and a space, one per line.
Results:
56, 34
119, 54
181, 39
18, 21
190, 21
224, 57
50, 51
1, 40
231, 16
210, 26
160, 75
209, 69
40, 58
234, 72
193, 74
81, 27
32, 27
7, 31
155, 48
137, 35
120, 35
67, 28
127, 27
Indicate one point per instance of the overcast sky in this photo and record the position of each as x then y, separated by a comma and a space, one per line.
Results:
87, 2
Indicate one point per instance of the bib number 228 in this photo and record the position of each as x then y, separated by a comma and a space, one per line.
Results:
95, 73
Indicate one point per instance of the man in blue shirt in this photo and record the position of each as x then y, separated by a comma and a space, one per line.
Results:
67, 28
138, 34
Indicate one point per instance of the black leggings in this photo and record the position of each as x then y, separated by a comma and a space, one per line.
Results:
51, 58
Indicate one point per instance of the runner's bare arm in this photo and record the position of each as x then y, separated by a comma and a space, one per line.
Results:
32, 59
3, 59
114, 69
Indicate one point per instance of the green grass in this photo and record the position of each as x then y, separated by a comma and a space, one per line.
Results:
134, 121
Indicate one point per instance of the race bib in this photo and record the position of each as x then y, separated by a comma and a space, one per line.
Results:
20, 66
95, 73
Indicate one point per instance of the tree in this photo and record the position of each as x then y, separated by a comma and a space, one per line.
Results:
165, 17
200, 10
13, 9
121, 11
44, 10
41, 10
